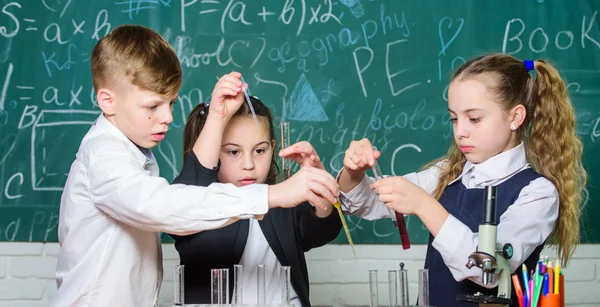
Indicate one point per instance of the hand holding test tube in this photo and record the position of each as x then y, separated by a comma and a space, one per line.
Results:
397, 218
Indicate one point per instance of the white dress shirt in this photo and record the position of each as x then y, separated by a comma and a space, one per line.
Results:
525, 224
112, 208
258, 251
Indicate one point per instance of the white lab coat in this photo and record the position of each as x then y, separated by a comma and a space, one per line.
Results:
112, 208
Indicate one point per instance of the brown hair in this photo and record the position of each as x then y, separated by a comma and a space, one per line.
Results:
197, 119
139, 54
552, 146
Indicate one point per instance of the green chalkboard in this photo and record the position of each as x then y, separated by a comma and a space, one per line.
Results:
338, 70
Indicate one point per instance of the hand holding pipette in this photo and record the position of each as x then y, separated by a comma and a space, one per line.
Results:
227, 97
246, 90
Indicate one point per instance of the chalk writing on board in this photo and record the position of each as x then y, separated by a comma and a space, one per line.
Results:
238, 12
397, 151
56, 5
77, 27
39, 225
29, 115
50, 63
340, 70
586, 198
44, 221
596, 129
8, 186
329, 92
390, 75
415, 120
54, 96
538, 39
451, 29
167, 153
25, 90
278, 84
52, 33
454, 64
102, 26
454, 31
4, 29
9, 71
356, 8
321, 47
10, 231
134, 7
7, 145
222, 56
391, 59
48, 125
185, 104
371, 28
303, 104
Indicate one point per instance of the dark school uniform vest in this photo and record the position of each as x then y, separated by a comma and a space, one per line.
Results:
467, 206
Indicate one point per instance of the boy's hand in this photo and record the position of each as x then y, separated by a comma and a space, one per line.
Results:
309, 184
227, 97
359, 157
304, 154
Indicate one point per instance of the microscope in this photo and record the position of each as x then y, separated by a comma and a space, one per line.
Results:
491, 257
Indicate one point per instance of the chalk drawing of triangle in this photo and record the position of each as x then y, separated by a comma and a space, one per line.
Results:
304, 105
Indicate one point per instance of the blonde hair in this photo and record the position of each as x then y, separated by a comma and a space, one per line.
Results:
552, 146
139, 54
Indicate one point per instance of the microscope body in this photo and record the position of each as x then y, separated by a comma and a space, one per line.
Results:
491, 257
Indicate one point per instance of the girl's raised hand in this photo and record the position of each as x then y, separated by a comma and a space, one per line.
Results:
227, 97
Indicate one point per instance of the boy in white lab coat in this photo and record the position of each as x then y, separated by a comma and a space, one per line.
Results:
114, 204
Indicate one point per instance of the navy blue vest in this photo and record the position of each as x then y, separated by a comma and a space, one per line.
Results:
467, 206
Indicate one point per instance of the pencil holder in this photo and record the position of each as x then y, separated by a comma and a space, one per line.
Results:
550, 300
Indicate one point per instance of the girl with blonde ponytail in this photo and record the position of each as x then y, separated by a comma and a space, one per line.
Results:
514, 128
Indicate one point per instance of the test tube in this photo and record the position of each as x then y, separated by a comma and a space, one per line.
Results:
423, 287
403, 286
238, 297
374, 288
179, 297
397, 218
260, 284
285, 142
393, 287
284, 281
219, 293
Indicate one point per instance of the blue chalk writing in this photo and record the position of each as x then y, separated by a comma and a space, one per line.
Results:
49, 61
135, 6
356, 8
445, 45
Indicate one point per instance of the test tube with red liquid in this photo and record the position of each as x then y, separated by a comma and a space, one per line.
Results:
397, 218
